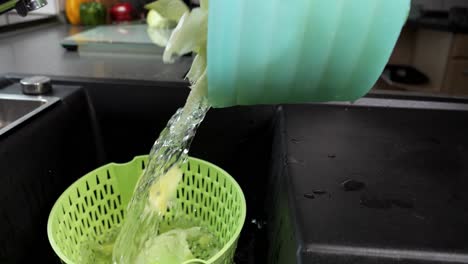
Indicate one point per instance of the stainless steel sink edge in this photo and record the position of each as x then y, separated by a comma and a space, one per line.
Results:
47, 101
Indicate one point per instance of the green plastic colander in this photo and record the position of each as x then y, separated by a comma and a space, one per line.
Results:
96, 203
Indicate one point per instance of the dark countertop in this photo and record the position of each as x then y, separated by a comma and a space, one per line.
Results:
37, 50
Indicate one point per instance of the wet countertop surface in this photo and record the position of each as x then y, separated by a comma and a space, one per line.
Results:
37, 50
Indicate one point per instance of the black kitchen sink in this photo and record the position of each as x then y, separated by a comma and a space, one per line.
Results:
405, 158
17, 108
97, 122
369, 183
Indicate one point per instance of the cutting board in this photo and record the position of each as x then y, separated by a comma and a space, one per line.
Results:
128, 38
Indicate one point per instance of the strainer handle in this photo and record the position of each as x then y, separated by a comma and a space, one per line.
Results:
195, 261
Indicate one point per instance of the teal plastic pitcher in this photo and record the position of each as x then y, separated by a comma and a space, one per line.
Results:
298, 51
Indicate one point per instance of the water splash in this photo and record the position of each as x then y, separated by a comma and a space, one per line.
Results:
170, 150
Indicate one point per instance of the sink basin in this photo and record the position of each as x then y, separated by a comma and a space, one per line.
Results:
16, 108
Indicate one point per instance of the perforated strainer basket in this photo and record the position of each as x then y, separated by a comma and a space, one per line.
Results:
96, 203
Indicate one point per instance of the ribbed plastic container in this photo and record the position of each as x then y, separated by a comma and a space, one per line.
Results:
278, 52
96, 203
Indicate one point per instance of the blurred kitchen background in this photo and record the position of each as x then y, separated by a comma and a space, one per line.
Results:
432, 53
58, 8
431, 56
112, 93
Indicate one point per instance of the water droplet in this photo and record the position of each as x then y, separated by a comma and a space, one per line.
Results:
259, 224
292, 160
295, 141
309, 196
319, 192
419, 216
353, 185
375, 203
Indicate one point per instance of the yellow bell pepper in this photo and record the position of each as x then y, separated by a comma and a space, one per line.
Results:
72, 10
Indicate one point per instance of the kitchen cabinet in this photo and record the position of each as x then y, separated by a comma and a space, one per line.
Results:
460, 46
456, 74
456, 80
430, 55
441, 55
426, 50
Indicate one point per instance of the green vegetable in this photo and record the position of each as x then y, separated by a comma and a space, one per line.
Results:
170, 9
179, 245
92, 14
204, 4
168, 248
155, 20
164, 190
190, 35
159, 36
198, 66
